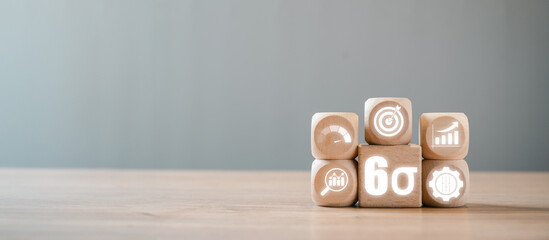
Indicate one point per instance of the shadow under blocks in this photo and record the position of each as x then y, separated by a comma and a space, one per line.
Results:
390, 171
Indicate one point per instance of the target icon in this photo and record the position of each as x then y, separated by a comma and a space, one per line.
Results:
389, 121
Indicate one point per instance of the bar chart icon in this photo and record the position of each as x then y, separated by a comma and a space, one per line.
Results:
448, 137
336, 180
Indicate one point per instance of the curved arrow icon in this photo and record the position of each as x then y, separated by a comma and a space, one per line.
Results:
450, 128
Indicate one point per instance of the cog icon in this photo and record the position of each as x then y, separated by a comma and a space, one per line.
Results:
446, 184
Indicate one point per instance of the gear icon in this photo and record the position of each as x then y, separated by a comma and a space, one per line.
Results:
446, 184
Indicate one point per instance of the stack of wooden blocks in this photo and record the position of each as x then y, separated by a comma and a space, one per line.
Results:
390, 171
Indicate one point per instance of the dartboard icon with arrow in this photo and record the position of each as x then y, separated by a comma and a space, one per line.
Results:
388, 121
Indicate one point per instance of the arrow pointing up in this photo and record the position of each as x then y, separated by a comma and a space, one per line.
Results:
454, 125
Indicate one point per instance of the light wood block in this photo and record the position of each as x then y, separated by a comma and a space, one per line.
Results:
445, 183
444, 135
334, 135
388, 121
334, 182
389, 176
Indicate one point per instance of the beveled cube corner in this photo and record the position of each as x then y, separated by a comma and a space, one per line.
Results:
389, 176
444, 135
445, 183
334, 135
334, 183
388, 121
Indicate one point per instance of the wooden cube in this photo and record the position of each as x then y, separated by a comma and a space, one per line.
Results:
445, 183
334, 135
388, 121
444, 135
334, 183
389, 176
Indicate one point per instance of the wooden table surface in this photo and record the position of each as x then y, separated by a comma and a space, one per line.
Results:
130, 204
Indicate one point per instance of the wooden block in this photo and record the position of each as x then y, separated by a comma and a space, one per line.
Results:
389, 176
445, 183
334, 135
334, 182
444, 135
388, 121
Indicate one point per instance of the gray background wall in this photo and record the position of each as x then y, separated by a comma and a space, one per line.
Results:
233, 84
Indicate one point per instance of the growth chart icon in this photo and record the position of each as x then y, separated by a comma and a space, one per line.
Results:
336, 180
446, 137
389, 121
446, 184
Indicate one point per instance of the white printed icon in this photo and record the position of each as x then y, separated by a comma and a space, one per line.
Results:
389, 121
446, 184
336, 180
447, 137
339, 130
374, 172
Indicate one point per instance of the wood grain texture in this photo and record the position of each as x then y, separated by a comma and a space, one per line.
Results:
116, 204
334, 135
391, 113
429, 123
341, 197
395, 157
459, 167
